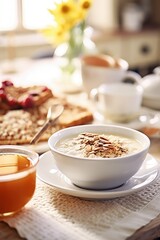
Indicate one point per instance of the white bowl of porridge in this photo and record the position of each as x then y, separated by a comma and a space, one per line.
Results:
99, 156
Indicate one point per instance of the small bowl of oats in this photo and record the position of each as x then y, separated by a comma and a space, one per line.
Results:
99, 156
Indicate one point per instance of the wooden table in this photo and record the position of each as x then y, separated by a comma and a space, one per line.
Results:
149, 232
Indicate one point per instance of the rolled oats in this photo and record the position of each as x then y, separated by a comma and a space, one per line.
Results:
98, 145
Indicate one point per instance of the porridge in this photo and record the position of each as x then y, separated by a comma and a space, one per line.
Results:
93, 145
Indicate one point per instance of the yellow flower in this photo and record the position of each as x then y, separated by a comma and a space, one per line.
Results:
55, 35
83, 7
64, 12
85, 4
66, 15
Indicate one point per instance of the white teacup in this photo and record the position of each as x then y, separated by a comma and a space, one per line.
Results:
99, 69
118, 102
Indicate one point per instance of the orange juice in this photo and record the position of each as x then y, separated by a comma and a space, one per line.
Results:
17, 182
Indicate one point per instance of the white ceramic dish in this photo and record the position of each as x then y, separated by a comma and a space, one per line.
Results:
100, 173
115, 100
48, 172
146, 118
101, 68
152, 102
157, 70
151, 87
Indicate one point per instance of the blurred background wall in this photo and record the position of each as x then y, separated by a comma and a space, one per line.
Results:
121, 28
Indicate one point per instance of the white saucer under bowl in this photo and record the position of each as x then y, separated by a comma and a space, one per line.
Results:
48, 173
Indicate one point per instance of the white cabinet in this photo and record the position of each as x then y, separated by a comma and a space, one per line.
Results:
111, 46
139, 49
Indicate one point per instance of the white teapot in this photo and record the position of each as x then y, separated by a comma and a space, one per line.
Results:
151, 93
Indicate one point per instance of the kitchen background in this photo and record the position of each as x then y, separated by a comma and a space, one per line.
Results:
121, 28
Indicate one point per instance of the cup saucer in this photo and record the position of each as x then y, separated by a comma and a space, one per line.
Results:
48, 173
146, 117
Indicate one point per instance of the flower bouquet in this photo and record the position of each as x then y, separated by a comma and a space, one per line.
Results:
67, 31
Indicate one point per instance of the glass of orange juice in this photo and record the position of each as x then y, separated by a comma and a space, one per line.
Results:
17, 178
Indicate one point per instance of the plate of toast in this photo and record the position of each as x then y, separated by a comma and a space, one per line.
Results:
23, 111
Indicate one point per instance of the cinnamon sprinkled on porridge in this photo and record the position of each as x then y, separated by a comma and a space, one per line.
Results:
93, 145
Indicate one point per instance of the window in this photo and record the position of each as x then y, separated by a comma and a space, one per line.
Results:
24, 14
8, 15
35, 13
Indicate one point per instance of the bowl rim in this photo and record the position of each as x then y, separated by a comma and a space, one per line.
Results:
54, 135
19, 150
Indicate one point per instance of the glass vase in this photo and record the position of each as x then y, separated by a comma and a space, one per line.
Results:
68, 55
